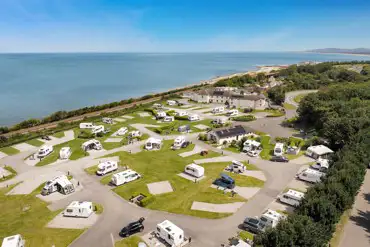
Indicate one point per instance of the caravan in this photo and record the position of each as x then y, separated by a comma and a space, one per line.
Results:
79, 209
124, 177
310, 175
321, 165
292, 197
107, 166
13, 241
168, 119
194, 117
250, 145
271, 218
134, 134
237, 167
279, 149
194, 170
91, 144
177, 143
171, 102
233, 112
170, 233
60, 183
218, 110
122, 131
86, 125
153, 143
65, 153
44, 151
107, 120
160, 114
97, 129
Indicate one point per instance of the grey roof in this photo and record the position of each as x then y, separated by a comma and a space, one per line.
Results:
231, 132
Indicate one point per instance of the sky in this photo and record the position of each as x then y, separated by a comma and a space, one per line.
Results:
182, 26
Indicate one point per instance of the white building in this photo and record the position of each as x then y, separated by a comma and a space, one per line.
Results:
319, 151
170, 233
13, 241
236, 133
79, 209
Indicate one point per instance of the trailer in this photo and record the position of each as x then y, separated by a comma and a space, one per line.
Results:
170, 233
219, 109
107, 120
124, 177
194, 170
194, 117
237, 167
153, 143
44, 151
65, 153
292, 197
60, 184
97, 129
86, 125
279, 149
310, 175
177, 143
122, 131
92, 144
106, 167
79, 209
13, 241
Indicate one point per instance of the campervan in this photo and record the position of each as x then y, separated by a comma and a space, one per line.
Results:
65, 153
13, 241
107, 120
60, 183
218, 110
161, 114
135, 133
321, 165
168, 119
44, 151
177, 143
250, 145
271, 218
153, 143
107, 166
183, 128
292, 197
97, 129
124, 177
193, 117
310, 175
195, 170
279, 149
225, 181
86, 125
233, 112
181, 114
171, 102
237, 167
79, 209
170, 233
91, 144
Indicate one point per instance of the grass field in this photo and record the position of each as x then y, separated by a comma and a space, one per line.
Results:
267, 148
289, 106
299, 97
339, 228
169, 129
9, 150
132, 241
59, 134
28, 215
35, 142
244, 235
12, 175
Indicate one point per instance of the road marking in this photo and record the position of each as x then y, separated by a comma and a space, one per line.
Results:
111, 235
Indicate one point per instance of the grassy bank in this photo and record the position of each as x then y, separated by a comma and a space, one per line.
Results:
9, 150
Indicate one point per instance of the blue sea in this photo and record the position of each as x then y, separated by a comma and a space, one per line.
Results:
36, 85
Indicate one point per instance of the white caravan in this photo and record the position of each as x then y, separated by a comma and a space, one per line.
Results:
171, 102
181, 114
97, 129
44, 151
194, 117
60, 183
170, 233
195, 170
122, 131
292, 197
219, 121
237, 167
65, 153
124, 177
321, 165
310, 175
156, 105
107, 166
279, 149
153, 143
233, 112
13, 241
218, 110
271, 218
134, 134
177, 143
86, 125
168, 119
250, 145
79, 209
161, 114
107, 120
92, 144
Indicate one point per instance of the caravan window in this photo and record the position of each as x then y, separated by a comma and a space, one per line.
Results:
69, 210
170, 237
158, 229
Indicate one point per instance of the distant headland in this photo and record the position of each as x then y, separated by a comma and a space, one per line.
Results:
355, 51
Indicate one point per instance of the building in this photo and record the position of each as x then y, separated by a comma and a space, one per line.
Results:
236, 133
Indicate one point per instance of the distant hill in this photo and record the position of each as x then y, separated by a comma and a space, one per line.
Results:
364, 51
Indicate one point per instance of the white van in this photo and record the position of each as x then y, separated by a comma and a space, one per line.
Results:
279, 149
44, 151
193, 117
233, 112
97, 129
124, 177
79, 209
310, 175
168, 119
321, 165
218, 110
65, 153
170, 233
107, 120
292, 197
195, 170
237, 167
171, 102
122, 131
271, 218
107, 166
86, 125
177, 143
13, 241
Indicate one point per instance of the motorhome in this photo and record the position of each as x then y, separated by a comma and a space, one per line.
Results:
60, 183
193, 117
65, 153
86, 125
107, 120
124, 177
181, 114
122, 131
279, 149
92, 144
225, 181
160, 114
218, 110
13, 241
79, 209
170, 233
171, 102
194, 170
106, 167
135, 134
168, 119
183, 128
177, 143
250, 145
292, 197
233, 112
321, 165
97, 129
44, 151
310, 175
237, 167
153, 143
271, 218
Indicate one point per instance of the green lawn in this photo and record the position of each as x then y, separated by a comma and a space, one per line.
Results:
299, 97
339, 228
165, 164
232, 149
59, 134
132, 241
28, 215
171, 128
12, 175
246, 181
289, 106
244, 235
35, 142
98, 209
268, 148
9, 150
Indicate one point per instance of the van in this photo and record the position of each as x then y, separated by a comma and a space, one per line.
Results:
106, 167
79, 209
124, 177
310, 175
194, 170
13, 241
86, 125
292, 197
65, 153
279, 149
44, 151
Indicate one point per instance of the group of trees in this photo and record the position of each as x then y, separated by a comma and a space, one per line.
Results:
236, 81
342, 115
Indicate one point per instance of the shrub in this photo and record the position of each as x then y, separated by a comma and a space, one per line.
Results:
181, 117
246, 118
146, 201
84, 134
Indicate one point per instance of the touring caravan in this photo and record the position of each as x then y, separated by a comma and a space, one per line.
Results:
107, 166
79, 209
218, 110
124, 177
135, 134
13, 241
60, 184
319, 151
44, 151
310, 175
157, 106
160, 114
153, 143
279, 149
122, 131
183, 128
168, 119
195, 170
292, 197
86, 125
177, 143
107, 120
97, 129
250, 145
171, 102
194, 117
321, 165
92, 144
170, 233
271, 218
65, 153
237, 167
233, 112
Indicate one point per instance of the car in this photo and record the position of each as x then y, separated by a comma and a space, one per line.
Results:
185, 144
279, 159
47, 138
253, 225
132, 228
252, 153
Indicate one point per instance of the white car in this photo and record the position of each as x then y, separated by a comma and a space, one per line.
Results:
252, 153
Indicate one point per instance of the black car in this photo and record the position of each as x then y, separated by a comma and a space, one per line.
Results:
279, 159
47, 138
185, 144
253, 225
132, 228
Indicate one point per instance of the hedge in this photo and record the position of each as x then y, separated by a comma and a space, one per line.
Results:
246, 118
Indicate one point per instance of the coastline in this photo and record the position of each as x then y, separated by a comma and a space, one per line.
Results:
338, 53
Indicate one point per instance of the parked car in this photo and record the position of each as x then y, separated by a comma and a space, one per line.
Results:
253, 225
252, 153
47, 138
279, 159
185, 144
132, 228
204, 153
